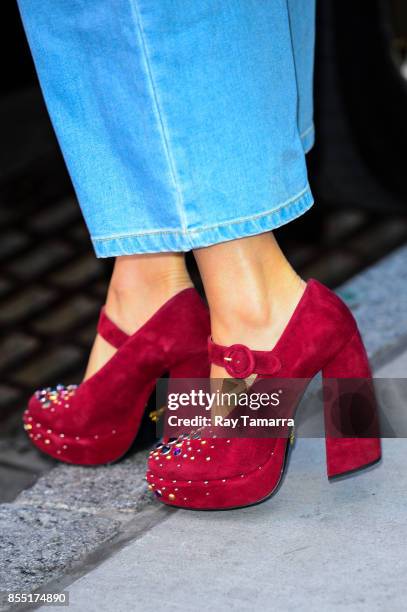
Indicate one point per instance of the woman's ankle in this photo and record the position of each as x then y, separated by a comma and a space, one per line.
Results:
131, 307
141, 284
259, 328
259, 321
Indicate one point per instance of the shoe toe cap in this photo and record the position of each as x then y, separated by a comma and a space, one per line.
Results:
208, 459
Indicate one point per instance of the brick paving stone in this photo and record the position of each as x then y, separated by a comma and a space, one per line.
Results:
83, 270
340, 223
4, 286
39, 259
80, 233
8, 395
391, 233
66, 316
46, 370
52, 219
16, 346
333, 268
302, 254
24, 303
99, 288
12, 242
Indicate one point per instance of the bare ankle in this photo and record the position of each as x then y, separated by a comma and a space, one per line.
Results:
237, 317
256, 322
131, 304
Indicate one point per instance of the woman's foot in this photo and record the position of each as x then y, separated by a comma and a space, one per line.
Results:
140, 284
97, 421
252, 292
238, 468
286, 330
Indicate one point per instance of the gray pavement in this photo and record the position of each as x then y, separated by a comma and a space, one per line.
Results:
315, 545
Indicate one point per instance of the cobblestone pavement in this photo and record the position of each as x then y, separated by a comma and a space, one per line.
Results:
51, 285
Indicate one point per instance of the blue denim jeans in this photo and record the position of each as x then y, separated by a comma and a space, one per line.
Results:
183, 123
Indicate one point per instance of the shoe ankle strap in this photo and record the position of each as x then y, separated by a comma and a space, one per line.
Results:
109, 330
240, 361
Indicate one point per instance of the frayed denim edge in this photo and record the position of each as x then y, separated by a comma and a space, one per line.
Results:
178, 241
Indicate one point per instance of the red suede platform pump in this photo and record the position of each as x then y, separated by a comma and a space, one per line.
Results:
219, 473
97, 421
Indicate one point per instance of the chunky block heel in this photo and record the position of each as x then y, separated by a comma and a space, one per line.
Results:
219, 473
350, 408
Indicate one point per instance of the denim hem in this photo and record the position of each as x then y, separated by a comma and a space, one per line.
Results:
308, 138
178, 241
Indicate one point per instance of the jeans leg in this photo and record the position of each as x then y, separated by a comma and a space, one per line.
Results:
302, 26
180, 122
